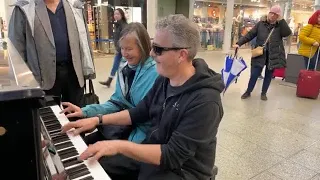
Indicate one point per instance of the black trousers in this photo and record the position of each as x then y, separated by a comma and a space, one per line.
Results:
118, 167
67, 85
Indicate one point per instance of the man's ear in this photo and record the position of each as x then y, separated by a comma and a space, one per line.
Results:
183, 55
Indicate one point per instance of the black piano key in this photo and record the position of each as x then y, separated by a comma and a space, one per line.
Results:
45, 110
53, 132
59, 136
66, 151
48, 117
76, 170
72, 161
60, 140
82, 173
48, 124
46, 113
87, 178
46, 121
63, 145
55, 127
67, 155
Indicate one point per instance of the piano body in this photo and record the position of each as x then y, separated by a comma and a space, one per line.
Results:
26, 120
20, 96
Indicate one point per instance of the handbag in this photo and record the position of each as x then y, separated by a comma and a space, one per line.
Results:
90, 97
258, 51
114, 132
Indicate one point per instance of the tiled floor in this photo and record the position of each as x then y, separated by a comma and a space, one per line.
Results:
273, 140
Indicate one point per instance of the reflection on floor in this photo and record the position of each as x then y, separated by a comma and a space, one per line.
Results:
272, 140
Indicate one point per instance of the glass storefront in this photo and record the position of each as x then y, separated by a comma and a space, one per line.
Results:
300, 14
101, 22
210, 17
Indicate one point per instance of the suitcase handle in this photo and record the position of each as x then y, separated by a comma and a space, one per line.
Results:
315, 67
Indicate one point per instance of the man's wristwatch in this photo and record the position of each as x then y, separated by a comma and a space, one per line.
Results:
100, 119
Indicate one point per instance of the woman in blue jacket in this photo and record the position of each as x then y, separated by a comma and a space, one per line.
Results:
135, 78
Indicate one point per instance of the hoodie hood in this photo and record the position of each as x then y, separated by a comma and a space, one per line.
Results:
204, 77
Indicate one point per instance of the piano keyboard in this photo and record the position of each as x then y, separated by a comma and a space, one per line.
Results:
69, 147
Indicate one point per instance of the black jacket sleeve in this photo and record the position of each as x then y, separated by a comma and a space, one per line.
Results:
284, 28
249, 36
17, 31
140, 113
197, 128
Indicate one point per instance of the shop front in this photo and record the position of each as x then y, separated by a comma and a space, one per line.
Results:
101, 23
300, 14
210, 17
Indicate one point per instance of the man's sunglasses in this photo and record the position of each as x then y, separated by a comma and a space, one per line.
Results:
158, 50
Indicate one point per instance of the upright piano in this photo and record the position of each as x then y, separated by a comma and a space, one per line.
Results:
27, 120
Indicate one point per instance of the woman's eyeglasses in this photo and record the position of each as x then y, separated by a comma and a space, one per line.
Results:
158, 50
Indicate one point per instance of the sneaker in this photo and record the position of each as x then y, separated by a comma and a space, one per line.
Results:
246, 95
264, 97
261, 77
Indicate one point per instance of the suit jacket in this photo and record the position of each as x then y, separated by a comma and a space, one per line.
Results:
30, 32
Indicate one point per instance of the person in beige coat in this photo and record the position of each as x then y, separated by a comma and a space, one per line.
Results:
47, 34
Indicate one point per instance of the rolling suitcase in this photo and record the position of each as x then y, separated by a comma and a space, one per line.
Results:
308, 85
295, 63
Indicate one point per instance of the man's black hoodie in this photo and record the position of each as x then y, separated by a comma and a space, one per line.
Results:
185, 124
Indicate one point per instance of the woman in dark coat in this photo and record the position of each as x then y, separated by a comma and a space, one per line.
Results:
121, 22
274, 52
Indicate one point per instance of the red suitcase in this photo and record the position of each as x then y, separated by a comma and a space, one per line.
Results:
308, 85
280, 72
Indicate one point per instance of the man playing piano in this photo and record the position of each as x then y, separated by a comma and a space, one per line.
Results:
184, 106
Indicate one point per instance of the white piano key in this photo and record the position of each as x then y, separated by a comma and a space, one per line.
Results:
96, 170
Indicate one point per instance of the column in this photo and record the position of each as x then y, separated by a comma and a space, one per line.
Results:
228, 26
317, 5
287, 17
9, 8
287, 11
222, 10
6, 14
191, 8
283, 7
152, 14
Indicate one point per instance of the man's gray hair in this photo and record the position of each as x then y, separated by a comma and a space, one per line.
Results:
184, 32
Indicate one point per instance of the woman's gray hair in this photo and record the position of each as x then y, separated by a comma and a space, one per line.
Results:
183, 31
141, 34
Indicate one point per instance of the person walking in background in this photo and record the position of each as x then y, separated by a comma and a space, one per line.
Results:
121, 22
274, 53
309, 40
